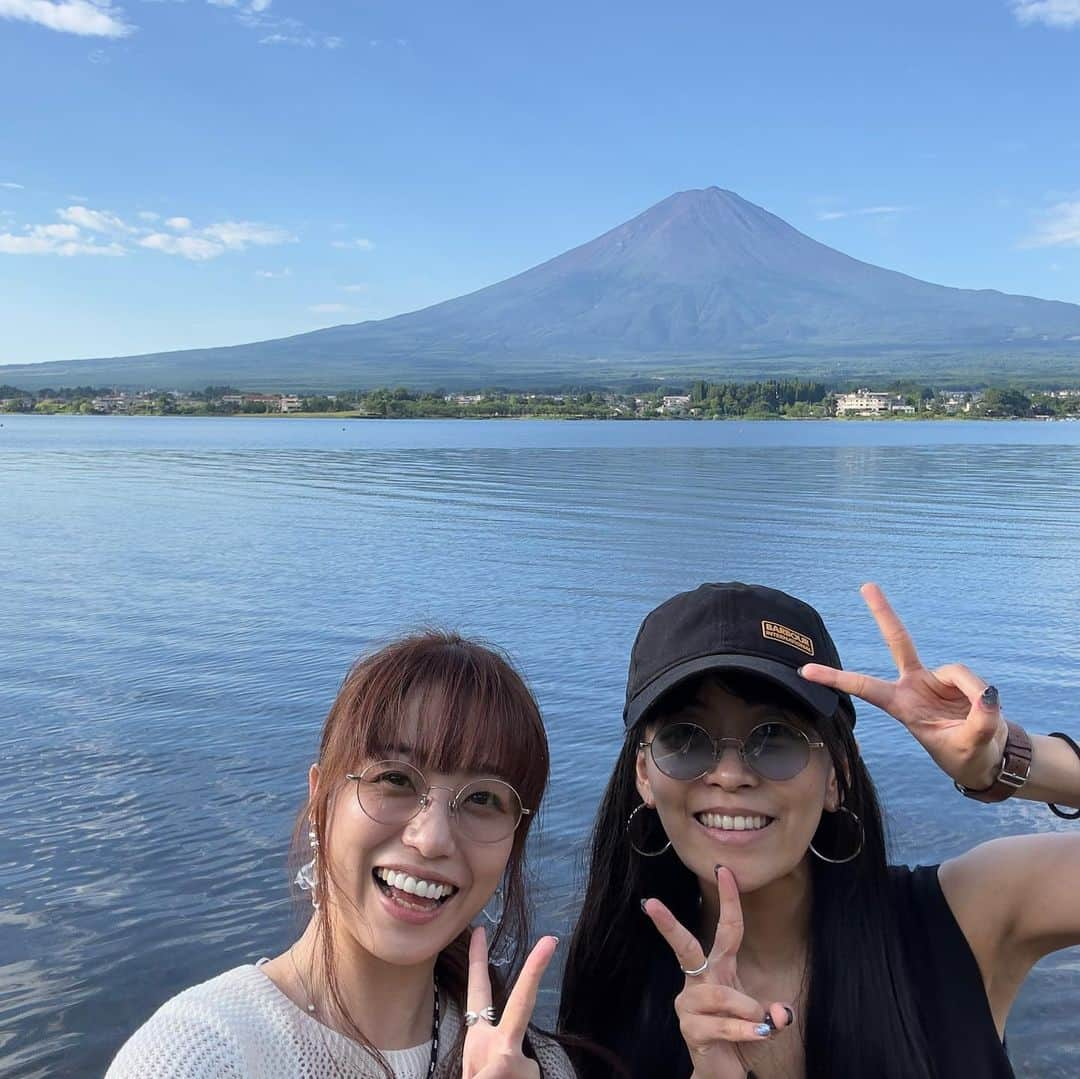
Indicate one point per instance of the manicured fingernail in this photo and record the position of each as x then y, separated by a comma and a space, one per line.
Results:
769, 1021
643, 910
716, 869
990, 697
799, 671
763, 1030
790, 1015
556, 939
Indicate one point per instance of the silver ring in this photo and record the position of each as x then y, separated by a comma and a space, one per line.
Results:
488, 1015
471, 1019
700, 970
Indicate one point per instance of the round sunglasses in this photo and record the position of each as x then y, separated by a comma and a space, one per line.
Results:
773, 750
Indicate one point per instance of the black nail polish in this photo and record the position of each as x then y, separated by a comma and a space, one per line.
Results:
643, 910
790, 1016
769, 1019
990, 697
716, 869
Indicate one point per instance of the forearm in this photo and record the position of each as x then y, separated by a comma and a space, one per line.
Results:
1055, 772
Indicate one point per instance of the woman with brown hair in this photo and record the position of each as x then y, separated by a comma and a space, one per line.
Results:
432, 765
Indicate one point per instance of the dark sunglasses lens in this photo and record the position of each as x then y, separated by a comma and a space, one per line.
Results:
683, 751
777, 751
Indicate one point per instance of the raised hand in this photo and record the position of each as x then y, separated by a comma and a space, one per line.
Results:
715, 1015
493, 1049
951, 711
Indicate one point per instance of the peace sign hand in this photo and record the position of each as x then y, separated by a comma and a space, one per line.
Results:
951, 711
493, 1050
715, 1015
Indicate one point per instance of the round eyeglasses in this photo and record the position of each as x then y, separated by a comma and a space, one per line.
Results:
484, 810
773, 750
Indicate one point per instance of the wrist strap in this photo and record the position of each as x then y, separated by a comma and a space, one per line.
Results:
1015, 765
1074, 814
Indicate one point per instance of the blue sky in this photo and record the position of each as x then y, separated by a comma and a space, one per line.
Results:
182, 173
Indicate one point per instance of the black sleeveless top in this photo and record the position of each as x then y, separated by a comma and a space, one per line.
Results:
955, 1013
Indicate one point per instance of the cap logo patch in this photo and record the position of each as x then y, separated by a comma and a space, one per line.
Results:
776, 632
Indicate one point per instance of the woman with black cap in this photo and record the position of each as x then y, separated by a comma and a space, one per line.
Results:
787, 946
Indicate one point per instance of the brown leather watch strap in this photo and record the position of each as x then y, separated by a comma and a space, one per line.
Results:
1015, 765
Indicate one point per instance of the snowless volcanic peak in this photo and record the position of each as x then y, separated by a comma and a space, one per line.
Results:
697, 280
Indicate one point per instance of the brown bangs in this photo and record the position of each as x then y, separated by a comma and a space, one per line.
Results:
447, 704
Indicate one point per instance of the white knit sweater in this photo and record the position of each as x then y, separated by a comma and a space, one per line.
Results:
239, 1025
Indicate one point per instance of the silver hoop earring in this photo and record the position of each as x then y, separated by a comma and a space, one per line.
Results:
307, 876
858, 847
630, 835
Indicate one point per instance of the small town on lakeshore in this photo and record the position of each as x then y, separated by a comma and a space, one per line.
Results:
770, 399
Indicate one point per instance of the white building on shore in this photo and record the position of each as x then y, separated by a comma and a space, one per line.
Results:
870, 403
675, 403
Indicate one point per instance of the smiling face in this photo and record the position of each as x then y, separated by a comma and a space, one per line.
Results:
396, 879
403, 891
759, 828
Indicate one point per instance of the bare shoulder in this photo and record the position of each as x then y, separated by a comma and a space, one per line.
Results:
1014, 899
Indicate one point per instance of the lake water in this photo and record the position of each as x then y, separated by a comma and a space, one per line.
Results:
180, 598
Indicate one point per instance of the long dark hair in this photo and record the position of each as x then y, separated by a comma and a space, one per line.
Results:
620, 979
478, 714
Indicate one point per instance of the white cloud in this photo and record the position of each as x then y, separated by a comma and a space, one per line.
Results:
88, 19
149, 215
328, 308
354, 288
278, 29
190, 247
12, 186
213, 240
65, 240
286, 39
94, 220
1060, 227
360, 244
305, 39
867, 211
1057, 13
274, 274
239, 235
70, 236
252, 7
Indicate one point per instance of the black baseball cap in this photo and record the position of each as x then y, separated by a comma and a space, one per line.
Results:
732, 627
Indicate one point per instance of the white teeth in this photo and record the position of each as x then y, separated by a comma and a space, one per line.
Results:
425, 889
724, 822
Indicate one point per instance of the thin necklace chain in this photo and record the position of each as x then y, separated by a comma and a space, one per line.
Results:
435, 1014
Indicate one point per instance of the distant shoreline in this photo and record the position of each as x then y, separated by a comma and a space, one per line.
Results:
926, 417
699, 400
